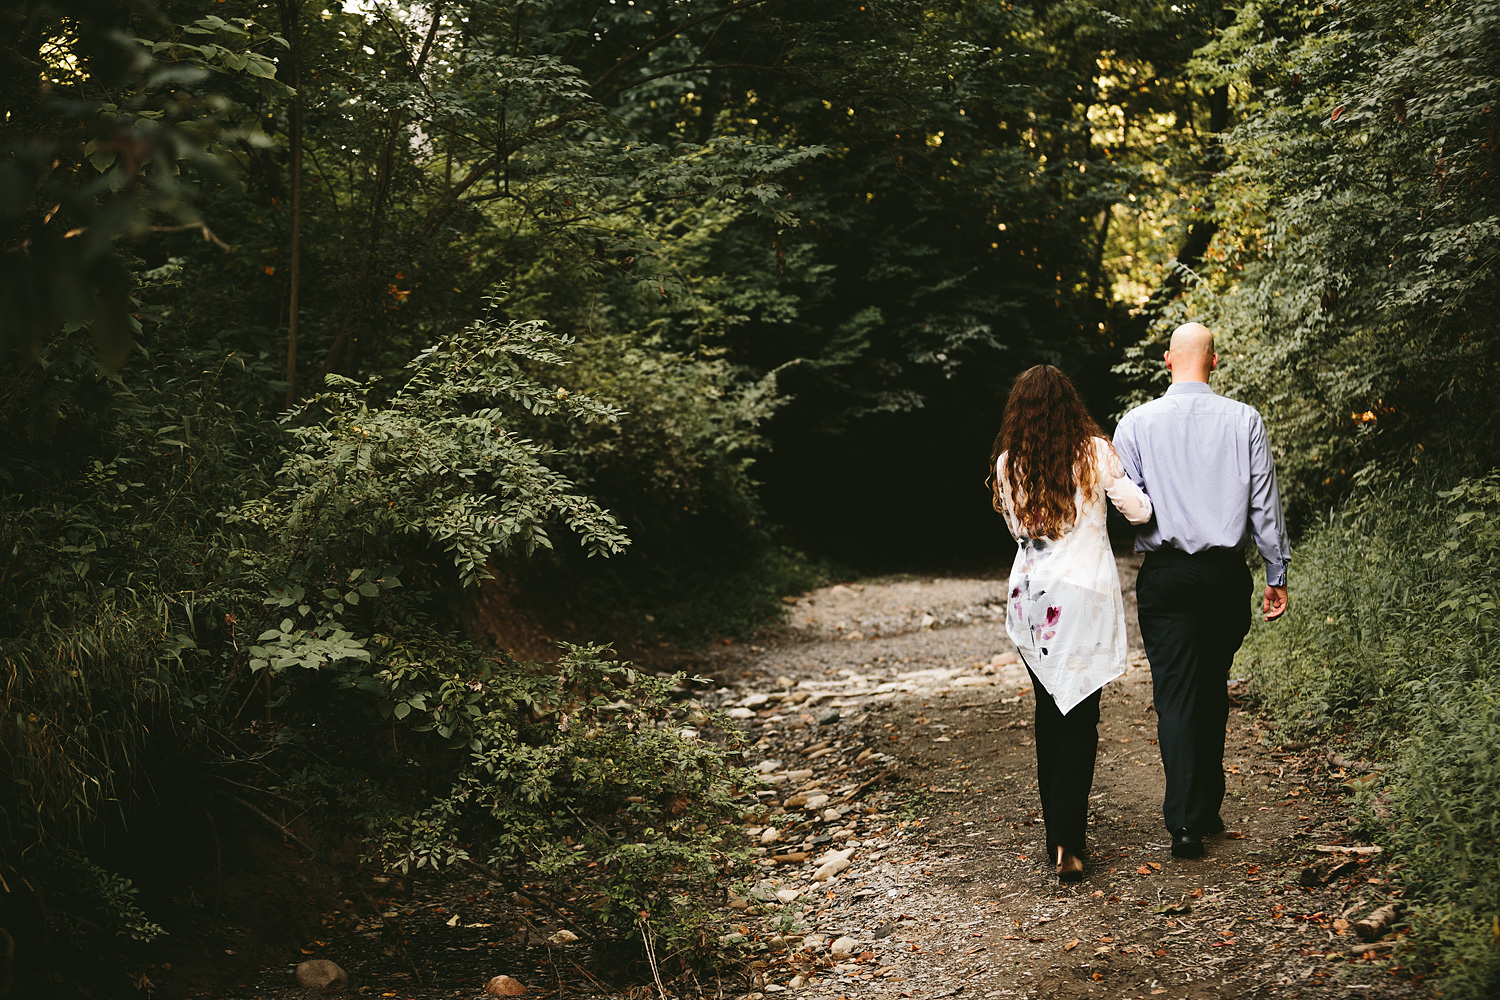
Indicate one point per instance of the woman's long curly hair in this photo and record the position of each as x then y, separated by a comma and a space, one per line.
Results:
1047, 438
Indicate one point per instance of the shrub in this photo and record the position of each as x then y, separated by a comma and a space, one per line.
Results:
1395, 631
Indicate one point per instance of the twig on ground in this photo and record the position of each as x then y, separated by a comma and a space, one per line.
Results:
288, 834
651, 955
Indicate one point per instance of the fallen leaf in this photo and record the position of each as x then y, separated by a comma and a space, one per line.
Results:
1155, 866
1143, 870
1196, 893
1071, 945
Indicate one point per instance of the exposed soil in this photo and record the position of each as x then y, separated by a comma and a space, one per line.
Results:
893, 720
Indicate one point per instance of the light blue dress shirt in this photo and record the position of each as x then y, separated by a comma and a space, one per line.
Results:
1204, 461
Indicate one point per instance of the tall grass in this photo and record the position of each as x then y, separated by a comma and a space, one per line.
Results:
1395, 630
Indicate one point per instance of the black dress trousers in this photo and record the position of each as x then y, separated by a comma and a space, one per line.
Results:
1195, 612
1065, 749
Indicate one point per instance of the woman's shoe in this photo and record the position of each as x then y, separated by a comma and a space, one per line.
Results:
1069, 865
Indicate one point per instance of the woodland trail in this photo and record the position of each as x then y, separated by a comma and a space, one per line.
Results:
947, 894
902, 848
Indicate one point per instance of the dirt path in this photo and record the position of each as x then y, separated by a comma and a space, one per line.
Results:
911, 685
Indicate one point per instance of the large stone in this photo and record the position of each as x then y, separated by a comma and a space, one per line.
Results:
770, 835
833, 855
562, 937
844, 946
830, 869
504, 986
321, 974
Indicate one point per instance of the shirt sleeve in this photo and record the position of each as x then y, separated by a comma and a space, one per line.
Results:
1129, 450
1267, 522
1129, 499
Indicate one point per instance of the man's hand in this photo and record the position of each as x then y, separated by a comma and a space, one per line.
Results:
1273, 605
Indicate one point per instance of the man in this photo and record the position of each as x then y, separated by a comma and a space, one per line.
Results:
1204, 461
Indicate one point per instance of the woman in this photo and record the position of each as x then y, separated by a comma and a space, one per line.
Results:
1053, 467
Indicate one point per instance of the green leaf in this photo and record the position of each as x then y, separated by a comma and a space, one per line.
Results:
261, 67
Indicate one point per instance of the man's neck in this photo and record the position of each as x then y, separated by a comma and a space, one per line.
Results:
1189, 377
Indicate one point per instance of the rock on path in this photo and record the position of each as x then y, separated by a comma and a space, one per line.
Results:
901, 849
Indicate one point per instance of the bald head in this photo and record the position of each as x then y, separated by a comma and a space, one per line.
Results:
1191, 357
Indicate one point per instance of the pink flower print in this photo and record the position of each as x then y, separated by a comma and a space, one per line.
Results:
1015, 592
1053, 614
1049, 634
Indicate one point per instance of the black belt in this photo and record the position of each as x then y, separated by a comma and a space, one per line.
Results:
1216, 553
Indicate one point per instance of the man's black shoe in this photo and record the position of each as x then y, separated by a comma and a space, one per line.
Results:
1187, 845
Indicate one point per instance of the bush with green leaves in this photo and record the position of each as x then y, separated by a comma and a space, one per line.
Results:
1395, 633
582, 781
118, 588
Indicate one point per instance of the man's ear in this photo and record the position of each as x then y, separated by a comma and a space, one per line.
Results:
1166, 357
1213, 361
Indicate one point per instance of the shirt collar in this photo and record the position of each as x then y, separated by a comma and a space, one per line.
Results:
1177, 388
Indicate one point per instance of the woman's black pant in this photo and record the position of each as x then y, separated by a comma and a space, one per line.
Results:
1066, 746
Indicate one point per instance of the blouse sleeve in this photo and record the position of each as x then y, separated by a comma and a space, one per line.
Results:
1007, 498
1128, 498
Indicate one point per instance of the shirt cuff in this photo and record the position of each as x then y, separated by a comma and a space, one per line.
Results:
1275, 573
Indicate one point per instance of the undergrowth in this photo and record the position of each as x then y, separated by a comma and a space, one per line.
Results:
202, 602
1394, 632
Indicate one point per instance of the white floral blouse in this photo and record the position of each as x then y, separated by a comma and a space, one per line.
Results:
1066, 615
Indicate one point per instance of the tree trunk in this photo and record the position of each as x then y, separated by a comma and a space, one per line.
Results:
364, 284
291, 27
